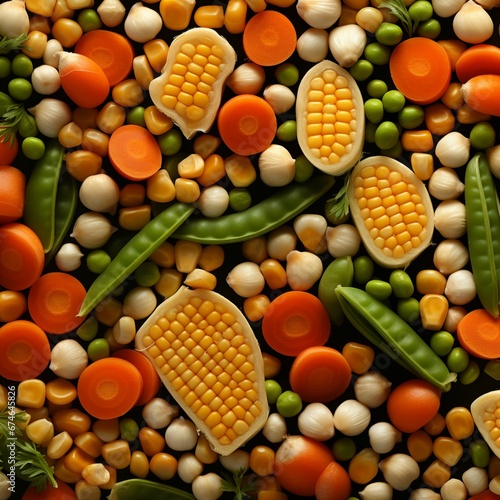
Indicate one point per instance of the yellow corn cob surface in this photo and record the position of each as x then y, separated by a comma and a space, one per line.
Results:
209, 359
330, 118
189, 90
391, 209
485, 411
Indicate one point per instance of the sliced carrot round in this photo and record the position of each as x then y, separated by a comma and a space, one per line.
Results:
25, 350
420, 69
320, 374
247, 124
109, 388
479, 334
54, 301
12, 193
269, 38
294, 321
151, 380
21, 256
110, 50
482, 59
134, 152
8, 151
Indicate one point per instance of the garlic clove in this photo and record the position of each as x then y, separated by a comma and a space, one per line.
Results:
100, 193
69, 257
343, 240
181, 435
447, 8
14, 19
142, 23
400, 470
276, 166
472, 23
383, 437
279, 97
159, 413
450, 255
246, 279
51, 115
316, 421
68, 359
449, 219
275, 429
460, 287
445, 184
453, 150
312, 45
248, 78
347, 44
92, 230
377, 491
321, 14
372, 389
303, 269
351, 417
111, 12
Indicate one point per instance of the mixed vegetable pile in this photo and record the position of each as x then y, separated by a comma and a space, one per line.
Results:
249, 249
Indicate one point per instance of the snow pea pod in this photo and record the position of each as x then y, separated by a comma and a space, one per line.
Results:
41, 193
259, 219
483, 231
135, 252
131, 489
391, 334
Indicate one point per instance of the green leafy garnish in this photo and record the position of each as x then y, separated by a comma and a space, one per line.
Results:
339, 208
398, 8
236, 484
10, 122
8, 44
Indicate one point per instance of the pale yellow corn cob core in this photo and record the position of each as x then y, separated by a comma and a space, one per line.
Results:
491, 419
202, 351
392, 210
331, 117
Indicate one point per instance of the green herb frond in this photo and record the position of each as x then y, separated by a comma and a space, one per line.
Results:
236, 484
10, 122
398, 8
8, 44
340, 206
33, 466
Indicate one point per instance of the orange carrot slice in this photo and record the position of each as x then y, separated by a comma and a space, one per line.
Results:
110, 50
269, 38
109, 388
482, 59
481, 94
8, 151
12, 188
134, 152
247, 124
54, 301
25, 350
420, 69
479, 334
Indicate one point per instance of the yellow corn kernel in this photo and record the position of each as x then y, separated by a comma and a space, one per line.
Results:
40, 431
85, 117
176, 14
419, 445
124, 330
80, 4
430, 281
493, 466
139, 464
108, 311
186, 190
169, 282
163, 465
134, 218
255, 249
359, 356
468, 116
369, 18
157, 122
433, 311
209, 16
436, 474
39, 23
42, 8
143, 72
71, 420
66, 31
59, 445
187, 254
452, 97
439, 119
33, 414
347, 16
164, 255
82, 164
107, 430
132, 195
205, 145
160, 188
90, 443
213, 170
204, 452
70, 136
256, 307
274, 273
31, 393
128, 93
112, 478
363, 467
76, 460
435, 425
459, 423
235, 16
96, 474
272, 365
84, 490
447, 450
191, 167
117, 453
53, 407
198, 278
240, 170
211, 257
419, 141
152, 442
110, 117
261, 460
109, 338
256, 5
156, 51
4, 396
62, 472
35, 45
61, 9
96, 141
423, 165
60, 391
13, 305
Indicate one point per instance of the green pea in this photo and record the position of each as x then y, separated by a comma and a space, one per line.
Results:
361, 70
344, 448
370, 129
402, 285
408, 309
379, 289
393, 101
389, 33
129, 429
239, 199
273, 390
411, 116
98, 349
364, 267
386, 135
479, 453
289, 404
429, 29
135, 116
33, 148
420, 10
442, 343
287, 74
457, 360
377, 53
303, 169
376, 88
147, 274
88, 329
22, 66
394, 151
470, 374
28, 127
97, 261
492, 369
287, 131
20, 89
170, 142
89, 20
5, 66
482, 135
374, 110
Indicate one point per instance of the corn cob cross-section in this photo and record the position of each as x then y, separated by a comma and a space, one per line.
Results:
485, 411
209, 359
189, 90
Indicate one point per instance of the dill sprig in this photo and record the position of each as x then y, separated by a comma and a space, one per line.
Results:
8, 44
32, 466
339, 208
398, 8
10, 122
236, 484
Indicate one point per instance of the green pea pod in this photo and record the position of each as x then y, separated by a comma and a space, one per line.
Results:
483, 231
66, 203
339, 272
135, 252
131, 489
259, 219
41, 193
391, 334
